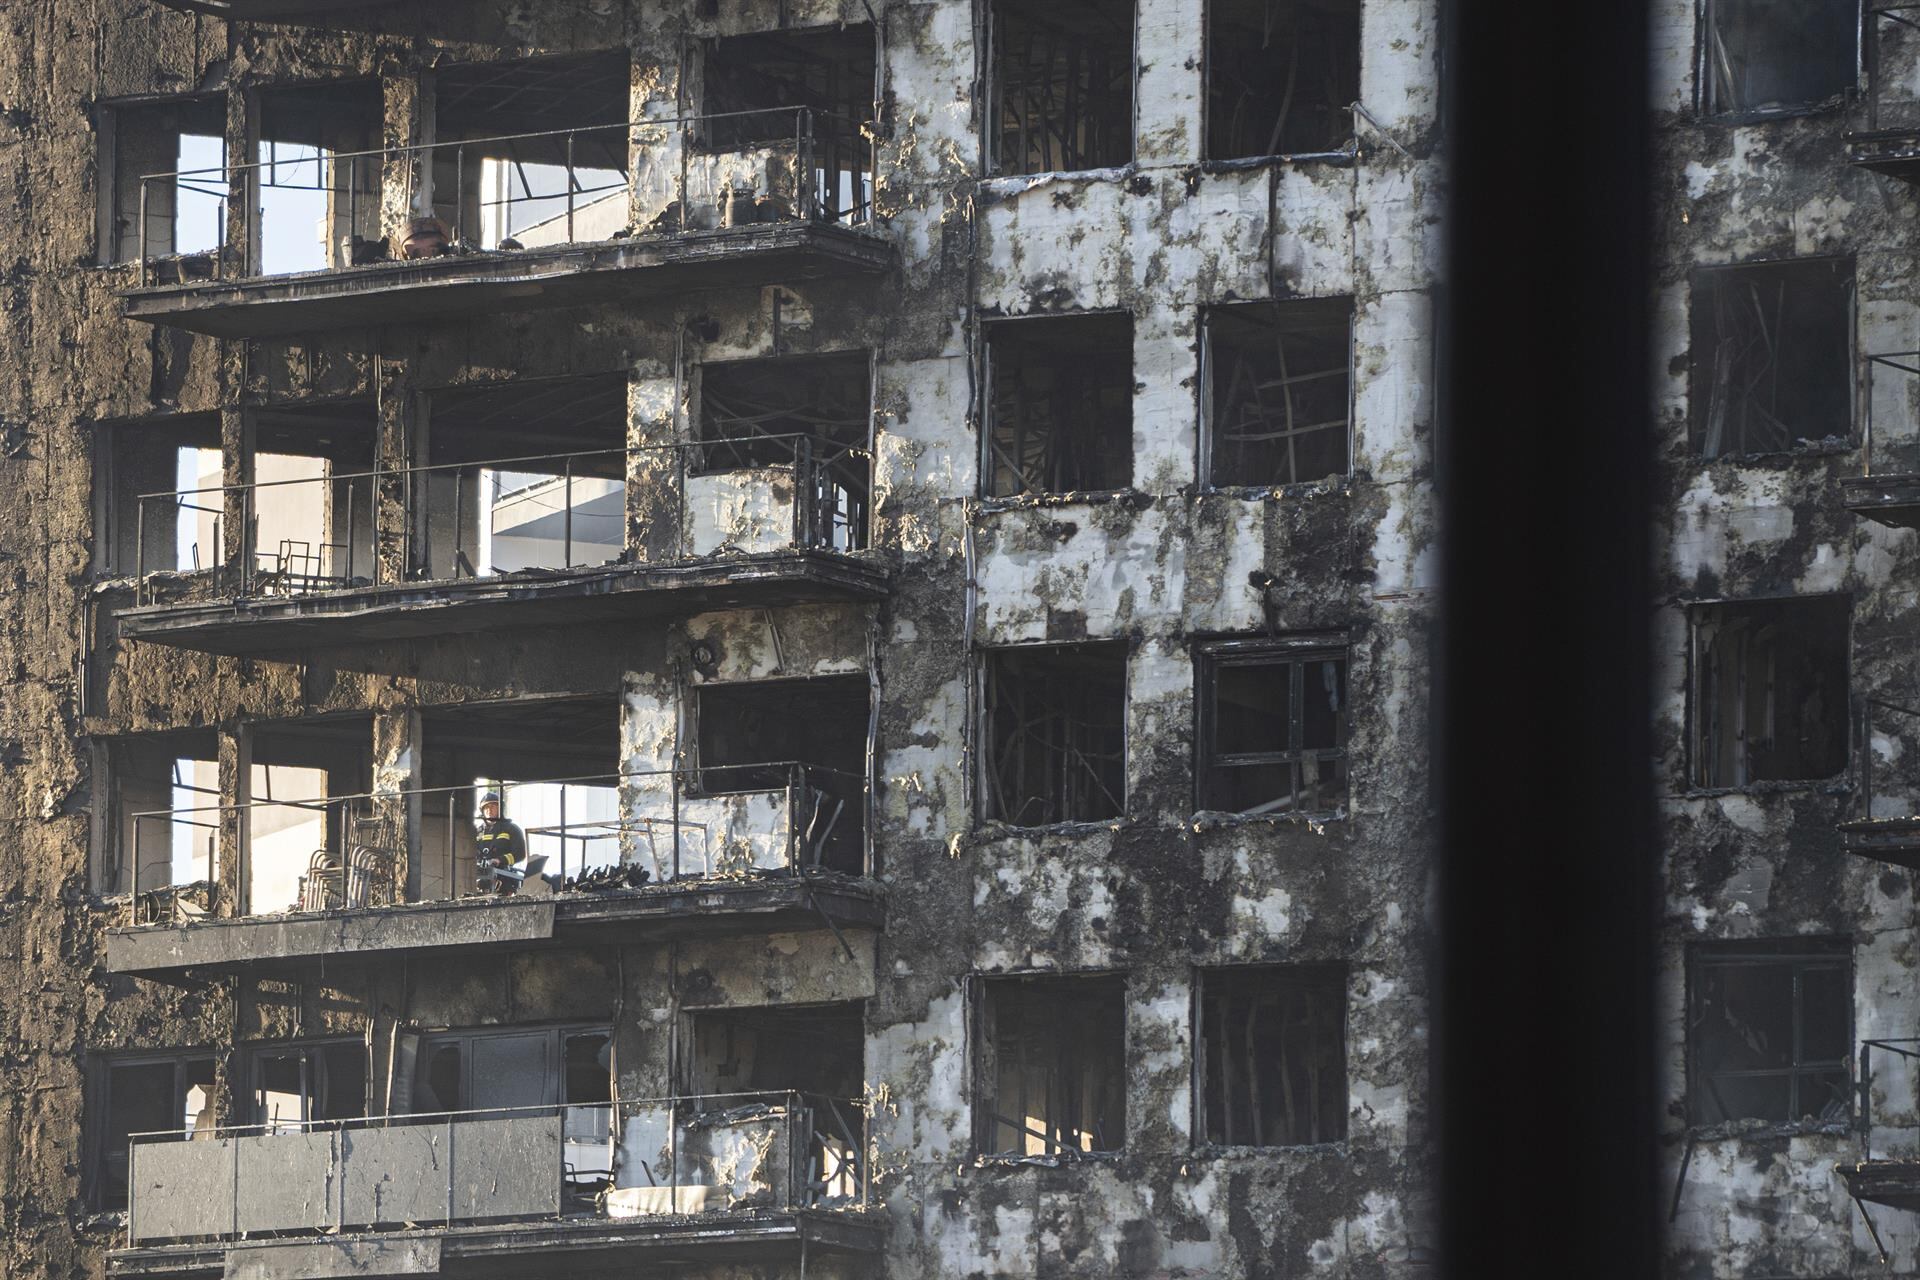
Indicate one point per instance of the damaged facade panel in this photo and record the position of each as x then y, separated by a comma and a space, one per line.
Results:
1770, 684
1772, 355
1282, 76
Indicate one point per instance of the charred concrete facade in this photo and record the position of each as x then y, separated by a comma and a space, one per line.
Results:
928, 521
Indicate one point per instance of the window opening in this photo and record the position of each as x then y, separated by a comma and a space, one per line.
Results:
752, 734
1281, 76
522, 475
1281, 376
1770, 690
319, 194
1762, 55
299, 1085
312, 505
1772, 361
1063, 85
1055, 733
1273, 727
154, 1094
808, 414
306, 849
166, 798
1060, 408
758, 84
522, 140
186, 210
1052, 1067
1273, 1069
159, 504
1770, 1031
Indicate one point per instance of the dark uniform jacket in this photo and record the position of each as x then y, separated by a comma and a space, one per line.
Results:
499, 838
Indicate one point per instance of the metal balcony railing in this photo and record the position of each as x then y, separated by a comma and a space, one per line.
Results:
1884, 109
583, 834
700, 1157
461, 520
511, 192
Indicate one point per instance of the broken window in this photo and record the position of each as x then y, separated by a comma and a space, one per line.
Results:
1273, 725
1051, 1066
1760, 55
1062, 88
298, 1085
159, 504
1280, 399
175, 152
314, 841
1772, 355
529, 152
165, 823
814, 1049
1770, 1030
520, 750
1273, 1059
157, 1094
311, 505
318, 190
805, 416
1055, 733
752, 734
521, 475
811, 89
1281, 76
1060, 405
1770, 690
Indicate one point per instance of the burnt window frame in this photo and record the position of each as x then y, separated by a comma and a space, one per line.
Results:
557, 1033
1796, 954
983, 1058
1295, 652
987, 396
99, 1107
1206, 398
1697, 759
1335, 974
993, 165
1207, 103
254, 1077
1699, 362
110, 171
1707, 109
985, 812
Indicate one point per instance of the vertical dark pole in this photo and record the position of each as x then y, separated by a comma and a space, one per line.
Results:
1547, 874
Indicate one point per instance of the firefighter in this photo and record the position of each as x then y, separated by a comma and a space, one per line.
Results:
499, 842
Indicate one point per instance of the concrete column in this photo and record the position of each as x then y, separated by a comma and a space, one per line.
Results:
236, 770
236, 471
657, 409
393, 447
404, 177
396, 770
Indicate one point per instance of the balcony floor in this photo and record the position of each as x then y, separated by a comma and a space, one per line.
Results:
1894, 152
1892, 500
1894, 1183
574, 1247
287, 942
455, 287
405, 611
1895, 840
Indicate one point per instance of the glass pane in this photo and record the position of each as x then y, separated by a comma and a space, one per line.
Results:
1744, 1017
340, 1082
511, 1071
437, 1086
1251, 708
1826, 1014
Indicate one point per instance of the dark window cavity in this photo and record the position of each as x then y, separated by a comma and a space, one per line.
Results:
811, 1049
163, 818
1273, 1060
1281, 76
159, 495
1062, 85
175, 152
1280, 395
1055, 734
1772, 360
1775, 55
1060, 409
164, 1096
1769, 1031
501, 1069
1051, 1063
810, 414
1273, 722
298, 1085
1770, 690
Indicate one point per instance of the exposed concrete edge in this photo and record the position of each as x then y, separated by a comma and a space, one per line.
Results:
474, 922
335, 1259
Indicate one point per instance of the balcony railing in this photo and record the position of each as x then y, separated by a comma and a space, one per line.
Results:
463, 520
584, 835
705, 1158
506, 194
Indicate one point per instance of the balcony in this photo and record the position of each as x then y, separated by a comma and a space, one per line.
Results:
1894, 840
642, 855
1893, 1179
768, 1178
622, 212
500, 542
270, 10
1890, 141
1888, 492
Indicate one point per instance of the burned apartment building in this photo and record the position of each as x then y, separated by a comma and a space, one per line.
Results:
919, 509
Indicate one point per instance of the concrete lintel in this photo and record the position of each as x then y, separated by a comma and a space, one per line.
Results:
335, 1259
224, 943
